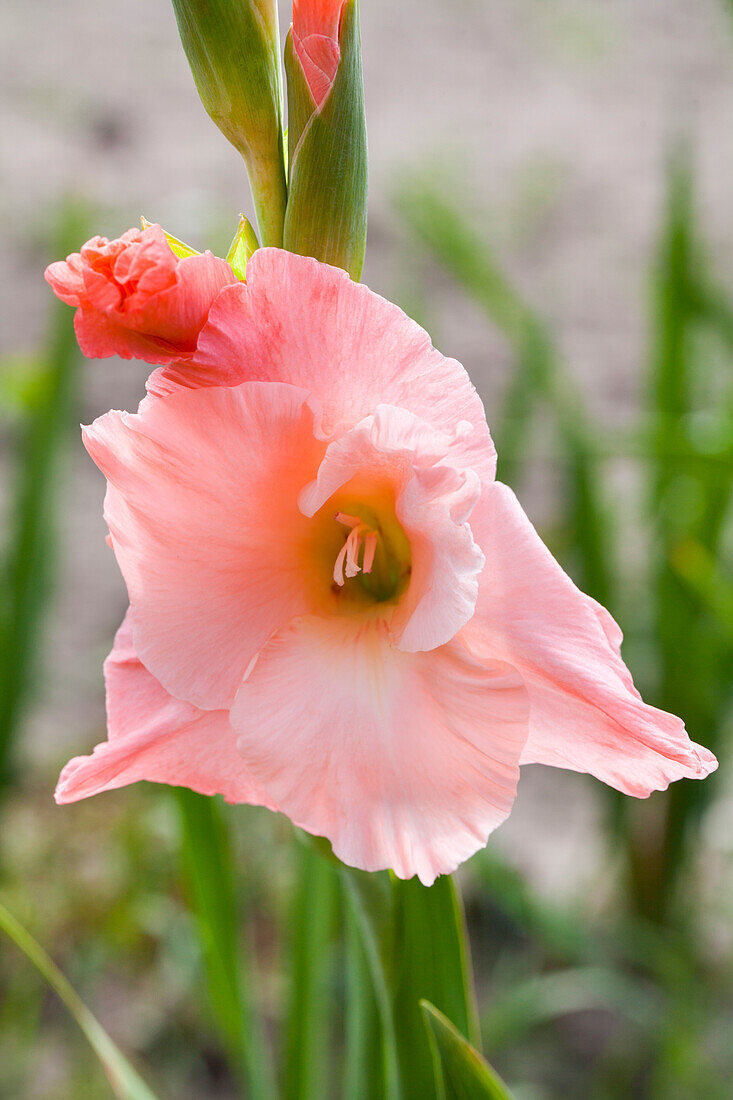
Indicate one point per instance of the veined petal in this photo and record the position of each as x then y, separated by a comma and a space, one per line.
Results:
156, 737
202, 509
316, 43
303, 322
402, 760
585, 713
135, 298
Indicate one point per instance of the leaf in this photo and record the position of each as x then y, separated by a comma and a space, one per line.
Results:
30, 555
244, 244
430, 961
326, 212
696, 565
689, 505
463, 1073
233, 49
125, 1082
414, 941
313, 932
207, 865
364, 1077
369, 901
527, 1004
178, 248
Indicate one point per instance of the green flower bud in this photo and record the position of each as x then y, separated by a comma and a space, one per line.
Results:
233, 50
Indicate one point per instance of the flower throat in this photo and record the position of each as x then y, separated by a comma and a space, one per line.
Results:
375, 555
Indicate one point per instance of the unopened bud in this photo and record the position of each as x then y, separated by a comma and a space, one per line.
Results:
326, 212
232, 48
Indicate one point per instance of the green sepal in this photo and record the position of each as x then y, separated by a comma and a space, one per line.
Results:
233, 50
244, 244
327, 198
177, 247
461, 1073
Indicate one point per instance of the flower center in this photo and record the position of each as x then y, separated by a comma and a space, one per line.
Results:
375, 554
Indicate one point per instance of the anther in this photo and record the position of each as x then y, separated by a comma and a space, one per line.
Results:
361, 539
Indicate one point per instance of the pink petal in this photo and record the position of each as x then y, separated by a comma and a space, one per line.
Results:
303, 322
202, 509
402, 760
433, 503
100, 336
316, 26
66, 279
155, 737
317, 17
176, 314
319, 58
585, 713
135, 298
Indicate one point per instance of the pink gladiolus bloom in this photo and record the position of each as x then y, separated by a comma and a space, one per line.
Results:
316, 26
335, 609
135, 298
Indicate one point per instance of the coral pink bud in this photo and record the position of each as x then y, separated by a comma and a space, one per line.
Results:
135, 298
316, 26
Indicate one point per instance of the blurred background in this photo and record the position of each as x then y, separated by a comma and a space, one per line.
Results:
551, 187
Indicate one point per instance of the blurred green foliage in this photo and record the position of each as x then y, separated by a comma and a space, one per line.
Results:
658, 978
44, 394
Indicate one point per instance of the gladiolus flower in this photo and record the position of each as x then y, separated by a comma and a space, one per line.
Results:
135, 298
334, 607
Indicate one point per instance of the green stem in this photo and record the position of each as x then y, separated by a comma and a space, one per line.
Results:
270, 196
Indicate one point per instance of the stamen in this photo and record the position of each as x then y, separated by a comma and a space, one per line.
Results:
362, 538
338, 569
353, 546
370, 549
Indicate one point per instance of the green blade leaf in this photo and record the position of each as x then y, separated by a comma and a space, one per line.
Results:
207, 865
125, 1082
32, 520
364, 1078
369, 901
313, 925
461, 1071
326, 211
431, 961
